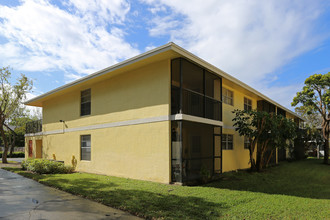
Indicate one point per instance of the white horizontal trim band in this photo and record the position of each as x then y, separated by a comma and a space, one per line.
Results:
132, 122
196, 119
229, 127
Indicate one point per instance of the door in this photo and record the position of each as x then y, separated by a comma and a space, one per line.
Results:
30, 148
39, 149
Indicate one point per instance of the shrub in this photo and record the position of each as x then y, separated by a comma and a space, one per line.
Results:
18, 155
15, 155
43, 166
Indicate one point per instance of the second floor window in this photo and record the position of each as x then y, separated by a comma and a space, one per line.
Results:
85, 102
247, 104
227, 96
227, 141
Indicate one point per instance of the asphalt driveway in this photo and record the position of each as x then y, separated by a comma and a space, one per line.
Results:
22, 198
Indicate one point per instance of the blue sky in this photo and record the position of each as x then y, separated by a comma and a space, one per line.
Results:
270, 45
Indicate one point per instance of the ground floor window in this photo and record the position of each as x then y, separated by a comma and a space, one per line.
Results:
246, 142
227, 141
85, 145
196, 150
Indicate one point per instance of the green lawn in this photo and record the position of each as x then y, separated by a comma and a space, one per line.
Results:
9, 161
297, 190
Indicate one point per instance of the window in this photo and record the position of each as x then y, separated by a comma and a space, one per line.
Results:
227, 96
85, 102
247, 104
246, 142
227, 141
85, 145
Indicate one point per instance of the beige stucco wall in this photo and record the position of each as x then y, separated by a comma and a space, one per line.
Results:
238, 158
140, 151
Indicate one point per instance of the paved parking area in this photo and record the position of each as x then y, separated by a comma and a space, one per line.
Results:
16, 159
23, 198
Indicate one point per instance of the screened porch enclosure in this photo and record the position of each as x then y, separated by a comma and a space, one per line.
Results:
196, 151
196, 146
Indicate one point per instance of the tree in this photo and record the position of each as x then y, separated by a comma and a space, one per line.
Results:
11, 97
315, 97
312, 119
265, 132
311, 135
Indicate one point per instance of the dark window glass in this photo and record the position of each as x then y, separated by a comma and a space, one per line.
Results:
281, 112
263, 105
175, 100
85, 102
212, 86
212, 109
192, 77
85, 146
175, 70
193, 103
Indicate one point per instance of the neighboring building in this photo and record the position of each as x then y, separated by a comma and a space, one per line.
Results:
158, 116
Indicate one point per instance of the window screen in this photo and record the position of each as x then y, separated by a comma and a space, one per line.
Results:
227, 96
246, 142
227, 141
247, 104
85, 144
85, 102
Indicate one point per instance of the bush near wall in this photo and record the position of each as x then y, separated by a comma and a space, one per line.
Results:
43, 166
15, 155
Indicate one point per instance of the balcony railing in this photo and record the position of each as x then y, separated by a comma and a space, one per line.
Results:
33, 127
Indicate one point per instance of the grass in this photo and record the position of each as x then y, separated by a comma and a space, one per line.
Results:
9, 161
297, 190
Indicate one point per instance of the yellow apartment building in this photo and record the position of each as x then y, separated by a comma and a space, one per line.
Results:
163, 116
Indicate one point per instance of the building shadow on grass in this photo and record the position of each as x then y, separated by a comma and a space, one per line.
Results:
142, 203
168, 206
308, 179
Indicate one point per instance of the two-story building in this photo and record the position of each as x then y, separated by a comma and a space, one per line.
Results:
164, 116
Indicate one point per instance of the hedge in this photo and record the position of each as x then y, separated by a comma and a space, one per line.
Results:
15, 155
44, 166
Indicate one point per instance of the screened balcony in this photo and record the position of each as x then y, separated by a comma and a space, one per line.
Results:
195, 91
196, 146
33, 127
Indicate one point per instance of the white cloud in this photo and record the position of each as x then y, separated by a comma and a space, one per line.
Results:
281, 94
248, 39
150, 47
83, 39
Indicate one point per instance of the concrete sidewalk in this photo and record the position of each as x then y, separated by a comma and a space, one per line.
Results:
23, 198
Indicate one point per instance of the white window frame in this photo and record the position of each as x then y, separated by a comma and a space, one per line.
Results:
246, 142
86, 147
225, 141
229, 100
247, 105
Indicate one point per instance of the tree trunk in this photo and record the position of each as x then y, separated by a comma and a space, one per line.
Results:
259, 156
326, 151
12, 146
5, 145
252, 161
326, 131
